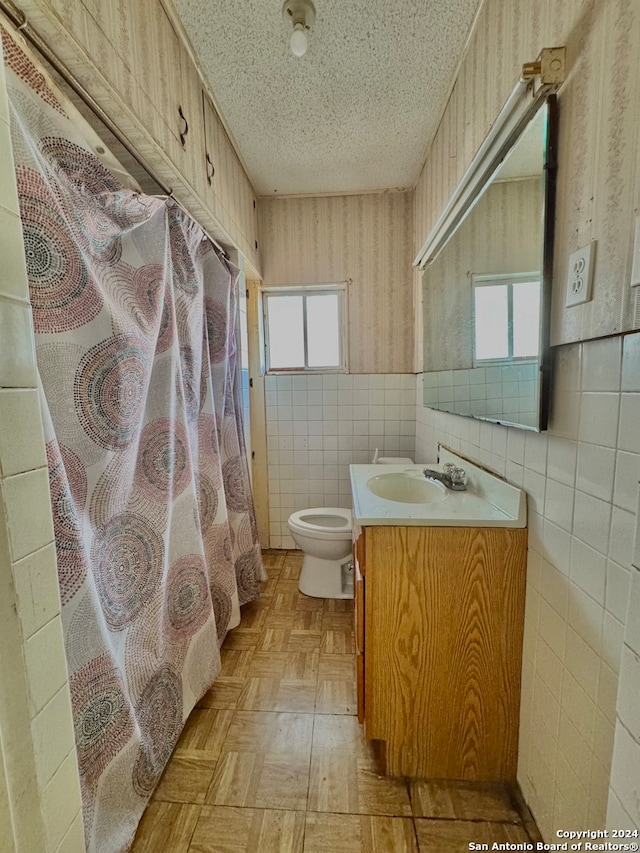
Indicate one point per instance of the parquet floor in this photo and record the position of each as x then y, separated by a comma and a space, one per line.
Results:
273, 759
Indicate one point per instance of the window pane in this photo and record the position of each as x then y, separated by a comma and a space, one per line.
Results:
286, 335
526, 318
492, 321
323, 330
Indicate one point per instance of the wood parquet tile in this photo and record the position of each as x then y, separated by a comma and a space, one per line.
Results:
273, 759
226, 829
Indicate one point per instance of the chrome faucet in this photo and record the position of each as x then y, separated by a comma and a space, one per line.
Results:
452, 477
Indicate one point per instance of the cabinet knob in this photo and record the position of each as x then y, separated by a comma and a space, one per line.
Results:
210, 169
185, 128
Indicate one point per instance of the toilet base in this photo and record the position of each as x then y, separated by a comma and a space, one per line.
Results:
326, 578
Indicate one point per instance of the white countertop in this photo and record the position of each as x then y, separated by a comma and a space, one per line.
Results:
487, 502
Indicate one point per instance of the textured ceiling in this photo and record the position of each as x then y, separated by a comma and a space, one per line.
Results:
356, 112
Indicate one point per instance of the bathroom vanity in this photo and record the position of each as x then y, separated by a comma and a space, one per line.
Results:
440, 588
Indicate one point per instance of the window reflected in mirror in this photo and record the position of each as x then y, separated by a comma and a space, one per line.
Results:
505, 317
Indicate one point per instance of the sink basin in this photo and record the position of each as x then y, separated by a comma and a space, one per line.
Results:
407, 488
400, 495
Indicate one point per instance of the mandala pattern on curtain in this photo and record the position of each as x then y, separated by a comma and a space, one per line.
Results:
135, 321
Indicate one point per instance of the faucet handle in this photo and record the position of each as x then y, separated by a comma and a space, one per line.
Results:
449, 467
458, 475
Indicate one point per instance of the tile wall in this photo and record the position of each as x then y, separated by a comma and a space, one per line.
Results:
35, 711
583, 585
506, 392
318, 425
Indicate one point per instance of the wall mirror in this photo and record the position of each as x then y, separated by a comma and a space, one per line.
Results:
487, 276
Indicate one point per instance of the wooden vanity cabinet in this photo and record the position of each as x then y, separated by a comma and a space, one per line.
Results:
439, 624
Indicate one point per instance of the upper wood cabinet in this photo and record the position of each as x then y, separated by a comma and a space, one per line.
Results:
130, 58
227, 185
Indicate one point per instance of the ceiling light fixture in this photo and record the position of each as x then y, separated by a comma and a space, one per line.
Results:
301, 15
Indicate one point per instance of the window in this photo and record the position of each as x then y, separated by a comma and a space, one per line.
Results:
305, 328
506, 315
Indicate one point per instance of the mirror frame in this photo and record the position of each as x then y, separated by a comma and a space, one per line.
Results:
523, 104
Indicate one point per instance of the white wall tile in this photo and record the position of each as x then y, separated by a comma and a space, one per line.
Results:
632, 633
36, 583
627, 476
631, 363
53, 735
558, 504
17, 366
629, 420
557, 545
21, 436
607, 690
612, 641
617, 817
588, 569
586, 617
595, 470
554, 588
574, 748
13, 282
571, 799
549, 667
561, 460
622, 536
592, 521
73, 841
625, 774
629, 692
60, 801
599, 419
553, 628
582, 662
601, 364
604, 731
535, 452
46, 664
8, 193
28, 509
580, 708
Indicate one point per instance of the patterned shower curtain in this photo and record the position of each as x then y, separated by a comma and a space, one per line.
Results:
135, 321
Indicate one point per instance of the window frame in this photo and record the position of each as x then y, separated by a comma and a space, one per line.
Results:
339, 289
486, 280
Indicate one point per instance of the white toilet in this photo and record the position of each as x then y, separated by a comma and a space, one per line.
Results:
324, 534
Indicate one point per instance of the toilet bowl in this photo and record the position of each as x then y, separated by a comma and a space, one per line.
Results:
324, 534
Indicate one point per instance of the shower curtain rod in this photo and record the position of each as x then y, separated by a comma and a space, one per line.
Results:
19, 20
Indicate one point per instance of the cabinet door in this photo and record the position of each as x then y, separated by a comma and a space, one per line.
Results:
229, 193
360, 639
190, 121
444, 619
215, 155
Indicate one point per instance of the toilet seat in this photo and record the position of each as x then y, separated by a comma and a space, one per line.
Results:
323, 522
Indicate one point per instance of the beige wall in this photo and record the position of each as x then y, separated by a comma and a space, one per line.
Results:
365, 238
582, 475
36, 729
598, 175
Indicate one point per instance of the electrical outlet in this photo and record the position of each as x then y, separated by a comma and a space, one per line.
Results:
580, 275
635, 267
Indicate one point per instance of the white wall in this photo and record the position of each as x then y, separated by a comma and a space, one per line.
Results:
582, 481
318, 425
36, 728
